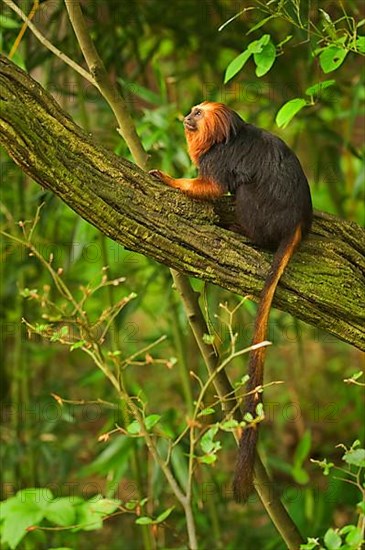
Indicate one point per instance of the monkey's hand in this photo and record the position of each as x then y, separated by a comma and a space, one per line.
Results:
176, 183
161, 176
198, 188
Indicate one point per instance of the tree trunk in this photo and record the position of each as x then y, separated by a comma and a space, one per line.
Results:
324, 284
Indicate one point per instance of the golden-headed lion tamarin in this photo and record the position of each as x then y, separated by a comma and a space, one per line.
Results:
273, 209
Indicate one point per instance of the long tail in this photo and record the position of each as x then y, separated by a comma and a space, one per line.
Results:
243, 477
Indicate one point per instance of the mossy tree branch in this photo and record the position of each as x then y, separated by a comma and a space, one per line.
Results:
324, 284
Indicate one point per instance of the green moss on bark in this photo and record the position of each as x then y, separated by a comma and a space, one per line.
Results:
323, 285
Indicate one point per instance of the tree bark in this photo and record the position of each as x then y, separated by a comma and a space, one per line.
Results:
324, 284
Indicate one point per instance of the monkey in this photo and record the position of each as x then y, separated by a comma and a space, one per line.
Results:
273, 208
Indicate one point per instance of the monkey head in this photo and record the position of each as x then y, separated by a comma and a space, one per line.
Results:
206, 124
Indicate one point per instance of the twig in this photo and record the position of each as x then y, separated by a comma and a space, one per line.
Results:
18, 39
128, 132
106, 86
274, 507
43, 40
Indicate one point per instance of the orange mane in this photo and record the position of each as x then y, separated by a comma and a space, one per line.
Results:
213, 128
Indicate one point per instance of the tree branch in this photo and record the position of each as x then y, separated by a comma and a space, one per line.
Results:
107, 88
323, 285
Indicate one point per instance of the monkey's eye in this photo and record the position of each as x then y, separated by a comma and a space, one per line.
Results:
197, 112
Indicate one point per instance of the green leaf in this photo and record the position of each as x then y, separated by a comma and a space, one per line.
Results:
236, 65
140, 91
229, 425
105, 506
300, 475
8, 23
260, 410
26, 292
346, 529
62, 512
316, 89
331, 58
77, 345
354, 536
242, 382
265, 59
257, 45
18, 59
164, 515
207, 444
208, 339
134, 428
151, 421
87, 518
208, 459
144, 520
310, 545
20, 516
303, 448
40, 496
114, 457
332, 539
355, 457
260, 23
206, 412
179, 463
83, 236
360, 44
42, 328
289, 110
329, 27
361, 506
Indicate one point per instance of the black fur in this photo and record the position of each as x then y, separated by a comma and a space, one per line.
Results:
272, 192
273, 209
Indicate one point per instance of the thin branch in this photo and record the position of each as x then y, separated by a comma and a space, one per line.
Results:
23, 29
59, 283
138, 353
43, 40
263, 485
128, 132
107, 88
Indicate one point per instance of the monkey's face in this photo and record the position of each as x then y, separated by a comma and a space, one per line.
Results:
192, 120
206, 124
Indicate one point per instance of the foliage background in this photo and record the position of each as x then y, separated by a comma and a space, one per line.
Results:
167, 57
